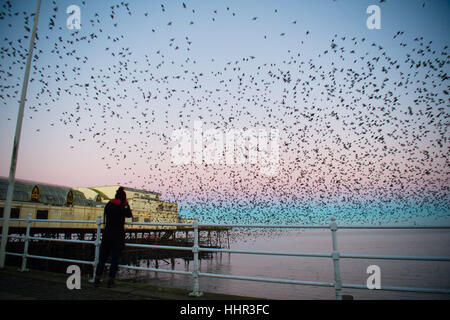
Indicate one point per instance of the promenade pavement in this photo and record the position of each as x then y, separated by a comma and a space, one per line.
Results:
40, 285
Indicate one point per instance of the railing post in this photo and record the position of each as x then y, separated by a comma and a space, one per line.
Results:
196, 292
335, 256
97, 245
25, 246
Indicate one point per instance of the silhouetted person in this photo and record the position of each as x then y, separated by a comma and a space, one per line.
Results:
113, 240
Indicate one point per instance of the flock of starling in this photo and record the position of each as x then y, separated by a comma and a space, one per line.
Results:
363, 124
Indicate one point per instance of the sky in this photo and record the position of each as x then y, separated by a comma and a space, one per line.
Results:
360, 114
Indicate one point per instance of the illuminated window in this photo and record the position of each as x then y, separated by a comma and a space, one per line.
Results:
70, 198
35, 194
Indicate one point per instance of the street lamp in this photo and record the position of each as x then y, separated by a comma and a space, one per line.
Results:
12, 169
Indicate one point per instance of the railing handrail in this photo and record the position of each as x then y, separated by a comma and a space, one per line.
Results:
50, 220
335, 255
394, 227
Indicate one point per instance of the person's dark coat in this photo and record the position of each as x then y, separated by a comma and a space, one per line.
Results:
115, 213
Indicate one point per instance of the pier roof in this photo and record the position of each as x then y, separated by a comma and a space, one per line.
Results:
48, 193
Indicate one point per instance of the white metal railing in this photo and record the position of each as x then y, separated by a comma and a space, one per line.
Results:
335, 255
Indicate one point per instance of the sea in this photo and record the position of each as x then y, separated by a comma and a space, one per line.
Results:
398, 273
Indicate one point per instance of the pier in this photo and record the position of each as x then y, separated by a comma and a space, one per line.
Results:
63, 222
57, 243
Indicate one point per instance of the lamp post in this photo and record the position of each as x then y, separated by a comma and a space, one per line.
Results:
12, 169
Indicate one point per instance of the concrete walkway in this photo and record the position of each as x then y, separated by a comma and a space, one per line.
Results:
40, 285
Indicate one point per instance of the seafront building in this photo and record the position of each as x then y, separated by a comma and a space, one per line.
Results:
47, 202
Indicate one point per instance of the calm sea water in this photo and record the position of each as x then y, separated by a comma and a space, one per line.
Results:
390, 242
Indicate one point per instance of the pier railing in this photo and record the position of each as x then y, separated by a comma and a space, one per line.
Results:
335, 254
